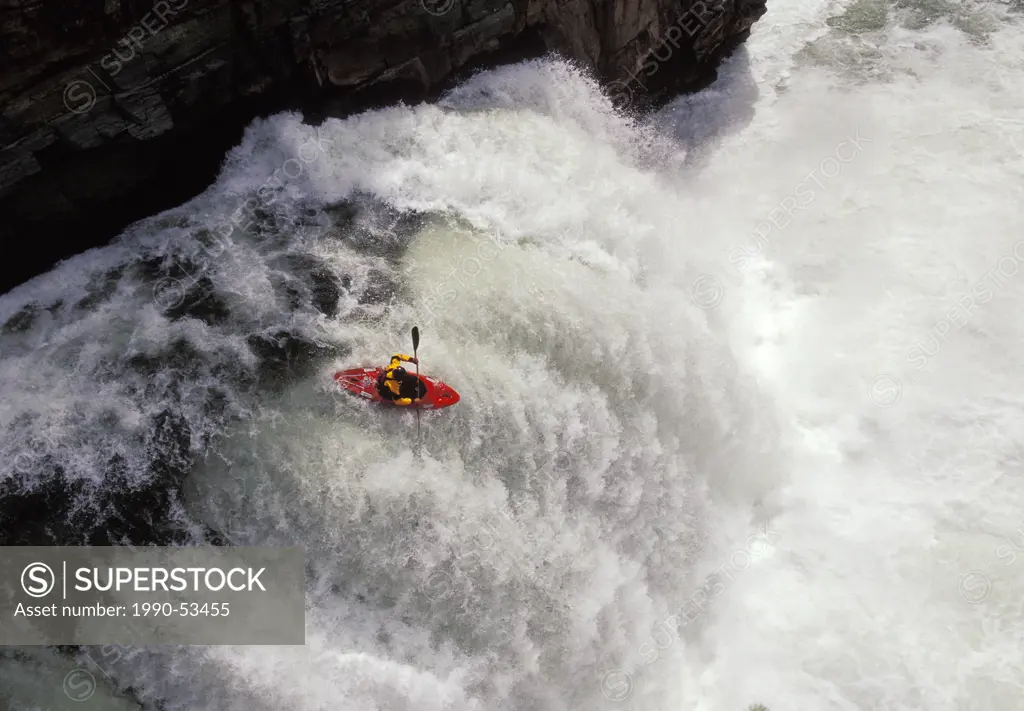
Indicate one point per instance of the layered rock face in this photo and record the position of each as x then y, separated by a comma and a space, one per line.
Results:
111, 110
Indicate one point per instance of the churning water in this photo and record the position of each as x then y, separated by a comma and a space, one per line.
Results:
742, 401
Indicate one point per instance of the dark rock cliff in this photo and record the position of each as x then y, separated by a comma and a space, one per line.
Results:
111, 110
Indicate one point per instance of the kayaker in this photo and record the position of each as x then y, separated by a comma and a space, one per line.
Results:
396, 384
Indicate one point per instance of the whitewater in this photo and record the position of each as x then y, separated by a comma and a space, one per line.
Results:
742, 406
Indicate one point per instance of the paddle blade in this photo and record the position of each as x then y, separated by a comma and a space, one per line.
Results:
415, 337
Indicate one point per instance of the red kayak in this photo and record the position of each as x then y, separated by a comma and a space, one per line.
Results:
363, 382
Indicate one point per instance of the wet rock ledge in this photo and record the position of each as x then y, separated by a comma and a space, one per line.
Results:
111, 110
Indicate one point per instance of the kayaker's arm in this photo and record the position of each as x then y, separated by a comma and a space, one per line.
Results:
399, 358
405, 401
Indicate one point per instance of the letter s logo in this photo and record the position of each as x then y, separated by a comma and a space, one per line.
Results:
42, 577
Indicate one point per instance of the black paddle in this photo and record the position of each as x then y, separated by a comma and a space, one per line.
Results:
415, 346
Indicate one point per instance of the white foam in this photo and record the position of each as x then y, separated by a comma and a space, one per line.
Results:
648, 378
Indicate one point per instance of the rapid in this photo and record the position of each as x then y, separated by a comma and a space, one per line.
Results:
742, 407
